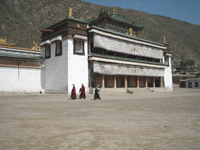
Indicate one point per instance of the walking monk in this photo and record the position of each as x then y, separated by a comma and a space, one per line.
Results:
73, 93
96, 95
82, 94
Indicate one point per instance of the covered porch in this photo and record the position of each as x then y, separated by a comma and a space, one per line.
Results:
125, 81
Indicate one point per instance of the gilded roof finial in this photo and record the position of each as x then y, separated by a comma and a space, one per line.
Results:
131, 31
70, 12
3, 42
164, 39
114, 11
35, 45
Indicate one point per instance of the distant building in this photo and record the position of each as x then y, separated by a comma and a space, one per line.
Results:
193, 83
104, 51
181, 76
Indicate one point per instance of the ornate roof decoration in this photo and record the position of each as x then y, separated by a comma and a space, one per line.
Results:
3, 42
118, 18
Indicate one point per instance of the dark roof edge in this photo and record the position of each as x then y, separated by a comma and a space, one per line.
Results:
126, 59
66, 19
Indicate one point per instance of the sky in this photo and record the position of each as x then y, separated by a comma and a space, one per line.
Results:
184, 10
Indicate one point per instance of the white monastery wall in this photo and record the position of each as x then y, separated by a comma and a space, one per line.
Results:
168, 77
56, 67
77, 68
20, 80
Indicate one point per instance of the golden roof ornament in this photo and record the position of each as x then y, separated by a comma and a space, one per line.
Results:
35, 45
164, 39
70, 12
114, 11
131, 31
3, 42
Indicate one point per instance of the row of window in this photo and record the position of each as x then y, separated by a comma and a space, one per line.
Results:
78, 48
117, 54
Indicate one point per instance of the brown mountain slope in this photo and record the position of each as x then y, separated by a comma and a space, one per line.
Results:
21, 19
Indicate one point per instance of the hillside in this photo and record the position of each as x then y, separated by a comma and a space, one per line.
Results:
21, 19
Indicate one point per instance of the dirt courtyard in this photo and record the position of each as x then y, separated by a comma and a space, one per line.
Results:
168, 120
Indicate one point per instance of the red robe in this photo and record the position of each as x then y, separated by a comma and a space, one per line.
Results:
73, 93
82, 90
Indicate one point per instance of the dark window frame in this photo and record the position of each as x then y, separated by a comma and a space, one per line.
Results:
196, 84
46, 57
82, 42
56, 48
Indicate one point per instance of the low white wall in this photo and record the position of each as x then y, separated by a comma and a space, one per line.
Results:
20, 80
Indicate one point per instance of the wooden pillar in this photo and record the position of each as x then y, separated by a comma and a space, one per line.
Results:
145, 59
125, 80
115, 81
138, 82
114, 53
146, 82
160, 60
102, 82
161, 81
124, 55
154, 85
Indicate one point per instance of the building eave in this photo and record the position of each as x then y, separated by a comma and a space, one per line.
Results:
127, 37
114, 59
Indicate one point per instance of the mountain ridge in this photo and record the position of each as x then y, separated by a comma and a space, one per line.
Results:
21, 20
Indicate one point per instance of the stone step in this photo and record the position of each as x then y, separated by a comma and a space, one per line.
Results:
128, 90
138, 90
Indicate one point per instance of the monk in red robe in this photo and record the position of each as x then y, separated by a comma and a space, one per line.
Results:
73, 92
82, 92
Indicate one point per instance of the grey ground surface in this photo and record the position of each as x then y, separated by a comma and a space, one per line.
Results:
168, 120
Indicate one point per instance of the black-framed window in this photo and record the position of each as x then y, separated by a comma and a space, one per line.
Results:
58, 49
47, 51
79, 47
196, 84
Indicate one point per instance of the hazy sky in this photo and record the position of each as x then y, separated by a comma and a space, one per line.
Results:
184, 10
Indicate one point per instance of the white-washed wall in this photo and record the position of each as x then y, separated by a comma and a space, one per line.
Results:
117, 45
121, 69
56, 70
77, 67
20, 80
168, 76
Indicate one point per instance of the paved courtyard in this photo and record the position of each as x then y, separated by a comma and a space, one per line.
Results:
168, 120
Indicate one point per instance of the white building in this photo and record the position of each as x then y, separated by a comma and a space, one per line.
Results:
104, 51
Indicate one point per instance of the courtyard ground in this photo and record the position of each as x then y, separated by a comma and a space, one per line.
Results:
168, 120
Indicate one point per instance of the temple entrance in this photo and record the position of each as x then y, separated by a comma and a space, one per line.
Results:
109, 81
142, 81
150, 81
157, 81
97, 80
132, 81
120, 81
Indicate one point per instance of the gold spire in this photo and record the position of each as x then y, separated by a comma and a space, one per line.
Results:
35, 45
3, 42
164, 39
114, 11
70, 12
131, 31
